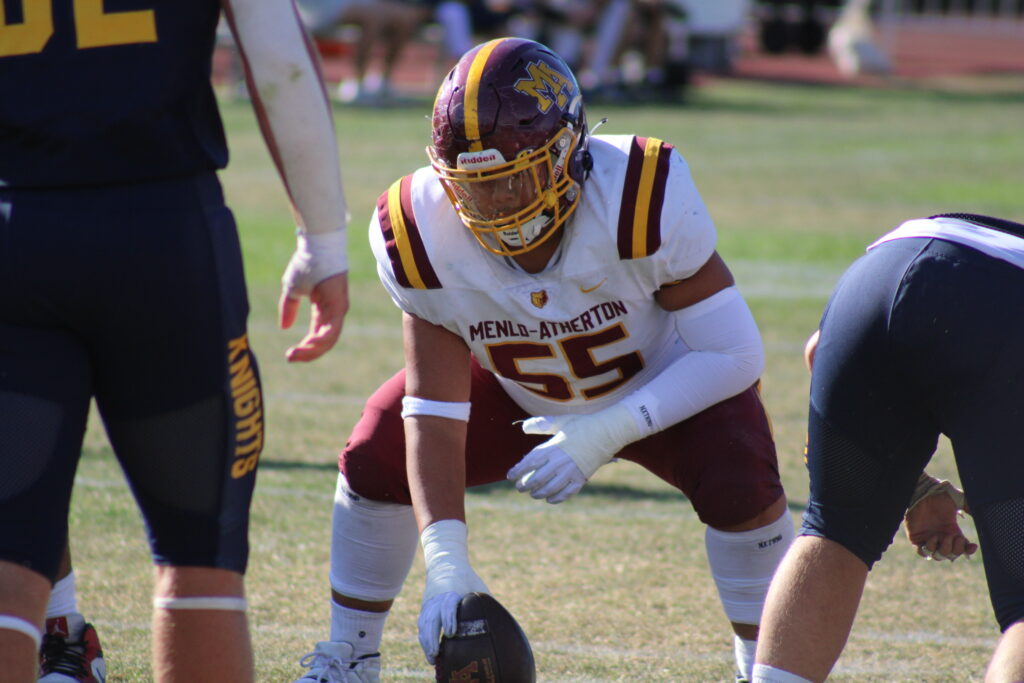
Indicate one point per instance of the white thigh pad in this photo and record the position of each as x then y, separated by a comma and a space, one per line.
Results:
372, 545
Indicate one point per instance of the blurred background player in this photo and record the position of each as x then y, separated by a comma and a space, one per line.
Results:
123, 282
570, 281
385, 26
921, 337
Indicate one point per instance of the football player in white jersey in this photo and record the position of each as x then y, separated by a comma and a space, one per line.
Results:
570, 281
921, 337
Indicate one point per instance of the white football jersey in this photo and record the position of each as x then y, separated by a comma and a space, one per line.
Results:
584, 332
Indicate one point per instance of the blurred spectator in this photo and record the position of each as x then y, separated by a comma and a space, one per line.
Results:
563, 25
383, 24
466, 22
852, 43
654, 34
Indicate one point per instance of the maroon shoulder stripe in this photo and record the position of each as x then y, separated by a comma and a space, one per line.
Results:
408, 257
643, 195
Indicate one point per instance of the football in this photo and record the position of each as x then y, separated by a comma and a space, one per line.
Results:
488, 647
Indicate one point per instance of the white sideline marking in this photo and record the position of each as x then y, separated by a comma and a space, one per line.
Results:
923, 637
779, 280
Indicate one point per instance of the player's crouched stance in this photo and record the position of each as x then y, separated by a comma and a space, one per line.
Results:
583, 315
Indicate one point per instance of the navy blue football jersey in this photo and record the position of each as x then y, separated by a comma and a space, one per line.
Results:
98, 92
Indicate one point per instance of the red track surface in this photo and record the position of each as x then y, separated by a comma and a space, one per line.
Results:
918, 52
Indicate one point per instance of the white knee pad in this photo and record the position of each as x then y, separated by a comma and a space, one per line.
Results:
372, 546
742, 564
12, 623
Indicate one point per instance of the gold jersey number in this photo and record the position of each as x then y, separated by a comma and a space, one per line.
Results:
94, 27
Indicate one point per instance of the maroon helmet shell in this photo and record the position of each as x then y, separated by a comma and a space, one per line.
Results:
520, 98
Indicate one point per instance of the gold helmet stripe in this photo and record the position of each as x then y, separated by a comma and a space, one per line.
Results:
471, 103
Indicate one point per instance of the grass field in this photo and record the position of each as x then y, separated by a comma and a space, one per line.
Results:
612, 586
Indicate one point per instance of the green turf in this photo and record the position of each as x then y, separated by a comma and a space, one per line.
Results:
612, 586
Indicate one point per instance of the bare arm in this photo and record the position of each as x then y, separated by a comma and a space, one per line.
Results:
713, 277
295, 119
437, 368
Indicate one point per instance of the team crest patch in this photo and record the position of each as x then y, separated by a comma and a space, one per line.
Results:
539, 298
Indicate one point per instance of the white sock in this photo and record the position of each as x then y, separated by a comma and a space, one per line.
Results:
769, 674
363, 630
63, 597
744, 650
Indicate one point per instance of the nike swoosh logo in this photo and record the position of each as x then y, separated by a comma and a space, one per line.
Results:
588, 290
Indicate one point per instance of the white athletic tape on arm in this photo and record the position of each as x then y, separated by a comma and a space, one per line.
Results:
446, 556
590, 440
414, 405
445, 541
928, 485
727, 358
229, 604
9, 623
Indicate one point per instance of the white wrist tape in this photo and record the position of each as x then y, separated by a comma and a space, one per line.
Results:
593, 440
445, 542
727, 357
225, 603
928, 485
316, 258
10, 623
413, 405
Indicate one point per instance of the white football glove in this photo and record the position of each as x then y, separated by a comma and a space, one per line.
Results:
449, 577
558, 468
316, 258
548, 472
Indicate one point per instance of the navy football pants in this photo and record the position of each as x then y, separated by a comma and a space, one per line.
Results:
921, 337
133, 296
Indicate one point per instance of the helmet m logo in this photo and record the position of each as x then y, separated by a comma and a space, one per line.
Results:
546, 85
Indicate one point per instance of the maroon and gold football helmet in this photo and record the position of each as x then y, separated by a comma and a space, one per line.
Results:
510, 143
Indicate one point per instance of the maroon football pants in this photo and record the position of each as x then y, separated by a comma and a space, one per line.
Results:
722, 459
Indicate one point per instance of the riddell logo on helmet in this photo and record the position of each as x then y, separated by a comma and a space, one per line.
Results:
476, 160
